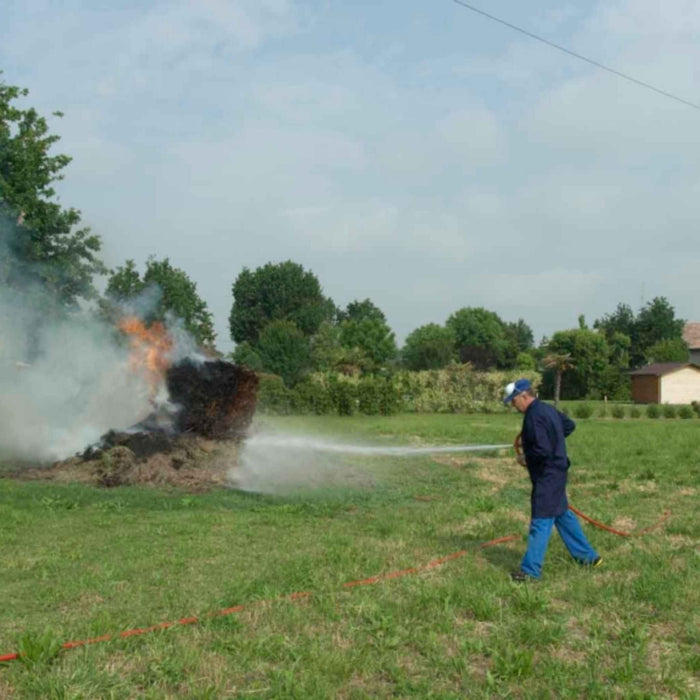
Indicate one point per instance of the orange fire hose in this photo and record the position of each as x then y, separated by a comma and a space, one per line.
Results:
518, 447
291, 597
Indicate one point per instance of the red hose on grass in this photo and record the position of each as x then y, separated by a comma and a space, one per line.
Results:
291, 597
518, 447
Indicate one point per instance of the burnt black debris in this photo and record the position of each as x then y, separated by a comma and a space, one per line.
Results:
142, 444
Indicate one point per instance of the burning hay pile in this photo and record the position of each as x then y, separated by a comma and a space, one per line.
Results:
202, 410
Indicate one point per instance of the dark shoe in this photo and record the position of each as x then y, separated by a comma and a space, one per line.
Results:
593, 564
521, 577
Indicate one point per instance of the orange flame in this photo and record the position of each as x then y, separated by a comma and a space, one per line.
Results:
150, 349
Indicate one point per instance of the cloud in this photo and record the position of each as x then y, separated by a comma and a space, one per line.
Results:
473, 135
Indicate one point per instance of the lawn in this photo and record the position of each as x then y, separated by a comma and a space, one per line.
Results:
78, 562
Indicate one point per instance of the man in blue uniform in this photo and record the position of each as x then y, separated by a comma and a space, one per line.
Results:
544, 447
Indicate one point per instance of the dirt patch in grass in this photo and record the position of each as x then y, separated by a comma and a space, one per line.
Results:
568, 655
624, 523
194, 464
369, 685
479, 666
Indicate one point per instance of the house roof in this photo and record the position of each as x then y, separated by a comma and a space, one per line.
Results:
691, 335
659, 369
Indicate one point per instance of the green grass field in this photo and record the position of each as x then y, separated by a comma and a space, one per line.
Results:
79, 562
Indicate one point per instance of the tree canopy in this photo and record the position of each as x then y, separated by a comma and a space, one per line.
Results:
361, 310
485, 340
46, 244
429, 347
174, 293
581, 357
655, 322
668, 350
365, 335
277, 292
284, 350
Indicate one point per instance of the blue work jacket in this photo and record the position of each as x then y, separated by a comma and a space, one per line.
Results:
544, 446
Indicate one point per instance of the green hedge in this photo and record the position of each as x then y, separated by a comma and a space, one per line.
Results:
455, 389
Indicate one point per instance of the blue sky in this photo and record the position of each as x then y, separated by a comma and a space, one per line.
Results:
414, 153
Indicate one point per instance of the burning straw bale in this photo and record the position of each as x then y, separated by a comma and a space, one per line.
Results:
214, 403
216, 399
189, 442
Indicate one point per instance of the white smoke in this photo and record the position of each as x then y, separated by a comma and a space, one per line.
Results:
63, 384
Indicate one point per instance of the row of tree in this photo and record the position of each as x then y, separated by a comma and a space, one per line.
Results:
280, 320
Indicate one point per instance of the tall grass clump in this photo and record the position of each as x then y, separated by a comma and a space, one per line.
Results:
583, 410
618, 411
653, 410
635, 412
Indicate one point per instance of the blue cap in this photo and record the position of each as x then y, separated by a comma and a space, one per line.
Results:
515, 388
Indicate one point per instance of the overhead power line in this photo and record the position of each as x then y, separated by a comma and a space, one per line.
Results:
576, 55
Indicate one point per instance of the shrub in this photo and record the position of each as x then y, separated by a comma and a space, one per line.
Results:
310, 397
368, 396
525, 361
669, 411
583, 410
273, 395
390, 398
696, 407
653, 410
618, 411
685, 412
342, 395
635, 412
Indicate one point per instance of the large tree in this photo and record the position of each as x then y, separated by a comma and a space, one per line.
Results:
480, 336
277, 292
673, 350
622, 320
174, 293
46, 246
518, 341
284, 350
361, 310
366, 335
655, 322
580, 358
429, 347
371, 339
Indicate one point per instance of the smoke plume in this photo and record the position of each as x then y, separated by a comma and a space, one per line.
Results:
65, 376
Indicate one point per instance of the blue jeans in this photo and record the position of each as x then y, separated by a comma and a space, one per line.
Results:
569, 530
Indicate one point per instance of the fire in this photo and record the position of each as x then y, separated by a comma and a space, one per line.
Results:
150, 349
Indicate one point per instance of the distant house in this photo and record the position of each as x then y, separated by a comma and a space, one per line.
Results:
691, 335
666, 382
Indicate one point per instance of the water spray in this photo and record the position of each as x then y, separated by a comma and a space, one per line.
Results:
319, 445
279, 462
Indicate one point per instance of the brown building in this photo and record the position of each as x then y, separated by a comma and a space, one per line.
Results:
666, 382
691, 335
